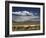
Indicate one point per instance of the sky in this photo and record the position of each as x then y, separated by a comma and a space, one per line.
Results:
33, 12
28, 9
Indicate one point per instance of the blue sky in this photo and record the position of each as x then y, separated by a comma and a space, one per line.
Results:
29, 9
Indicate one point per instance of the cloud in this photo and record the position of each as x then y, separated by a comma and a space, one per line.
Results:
23, 13
22, 18
17, 12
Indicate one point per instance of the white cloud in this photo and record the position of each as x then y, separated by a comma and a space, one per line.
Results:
23, 13
17, 12
25, 18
